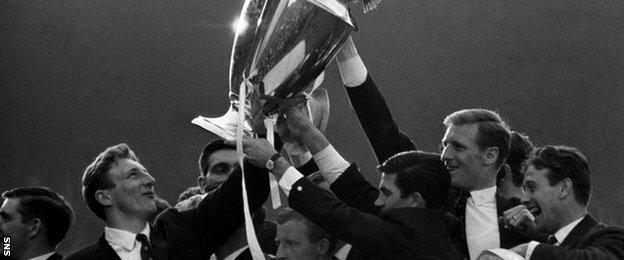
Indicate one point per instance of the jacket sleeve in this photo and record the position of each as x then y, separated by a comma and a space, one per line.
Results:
355, 191
220, 213
606, 244
375, 118
379, 237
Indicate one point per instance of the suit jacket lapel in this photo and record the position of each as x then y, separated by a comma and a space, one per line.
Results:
107, 250
579, 232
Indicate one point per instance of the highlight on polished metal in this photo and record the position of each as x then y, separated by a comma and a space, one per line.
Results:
280, 49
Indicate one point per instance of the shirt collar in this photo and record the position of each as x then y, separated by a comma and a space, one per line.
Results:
565, 231
43, 257
123, 238
235, 254
483, 196
343, 252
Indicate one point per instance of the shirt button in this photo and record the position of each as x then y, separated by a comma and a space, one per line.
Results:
299, 188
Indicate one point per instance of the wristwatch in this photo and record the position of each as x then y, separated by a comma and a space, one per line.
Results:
270, 164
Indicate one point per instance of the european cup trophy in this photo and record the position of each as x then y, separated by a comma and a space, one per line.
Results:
281, 48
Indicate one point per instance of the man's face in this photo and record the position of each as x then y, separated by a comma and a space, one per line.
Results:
462, 156
220, 165
545, 197
389, 194
11, 226
133, 193
294, 242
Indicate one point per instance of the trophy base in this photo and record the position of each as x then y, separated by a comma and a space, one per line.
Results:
224, 126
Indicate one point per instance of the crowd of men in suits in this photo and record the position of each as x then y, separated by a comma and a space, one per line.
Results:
488, 189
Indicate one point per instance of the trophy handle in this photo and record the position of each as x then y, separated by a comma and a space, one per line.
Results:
223, 126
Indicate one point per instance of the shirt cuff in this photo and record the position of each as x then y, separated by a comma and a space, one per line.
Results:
529, 251
297, 156
289, 178
330, 163
353, 71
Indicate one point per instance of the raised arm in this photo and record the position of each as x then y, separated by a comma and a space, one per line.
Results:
219, 214
370, 106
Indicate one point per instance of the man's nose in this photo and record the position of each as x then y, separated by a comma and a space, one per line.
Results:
149, 180
379, 202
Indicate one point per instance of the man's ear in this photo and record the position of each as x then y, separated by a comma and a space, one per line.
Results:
35, 228
322, 247
415, 200
104, 197
201, 182
565, 188
490, 155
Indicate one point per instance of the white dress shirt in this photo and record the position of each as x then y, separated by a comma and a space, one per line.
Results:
343, 252
330, 163
559, 235
482, 221
352, 71
42, 257
124, 242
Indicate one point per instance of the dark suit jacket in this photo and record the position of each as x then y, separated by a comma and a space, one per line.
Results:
386, 140
403, 233
198, 232
55, 256
588, 240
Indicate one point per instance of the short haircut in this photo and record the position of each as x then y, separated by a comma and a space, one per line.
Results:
54, 212
565, 162
422, 172
96, 176
521, 148
492, 130
209, 149
315, 233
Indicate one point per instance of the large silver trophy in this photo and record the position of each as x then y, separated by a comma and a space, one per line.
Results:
281, 47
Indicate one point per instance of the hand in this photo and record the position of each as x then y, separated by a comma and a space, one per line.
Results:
520, 219
257, 150
296, 122
303, 130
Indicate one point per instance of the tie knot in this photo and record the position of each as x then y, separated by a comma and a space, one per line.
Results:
142, 238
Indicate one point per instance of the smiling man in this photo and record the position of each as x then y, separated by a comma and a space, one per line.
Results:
403, 222
558, 185
120, 191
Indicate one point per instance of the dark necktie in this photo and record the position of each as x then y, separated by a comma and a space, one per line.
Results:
146, 248
552, 240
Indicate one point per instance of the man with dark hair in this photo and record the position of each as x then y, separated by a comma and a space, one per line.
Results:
217, 161
510, 177
300, 239
558, 186
475, 146
413, 185
35, 219
120, 191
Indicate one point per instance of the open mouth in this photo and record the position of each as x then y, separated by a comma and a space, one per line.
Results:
533, 208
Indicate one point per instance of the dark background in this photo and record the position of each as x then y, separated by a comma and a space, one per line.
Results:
80, 75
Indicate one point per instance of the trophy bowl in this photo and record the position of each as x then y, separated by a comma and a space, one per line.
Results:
281, 48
